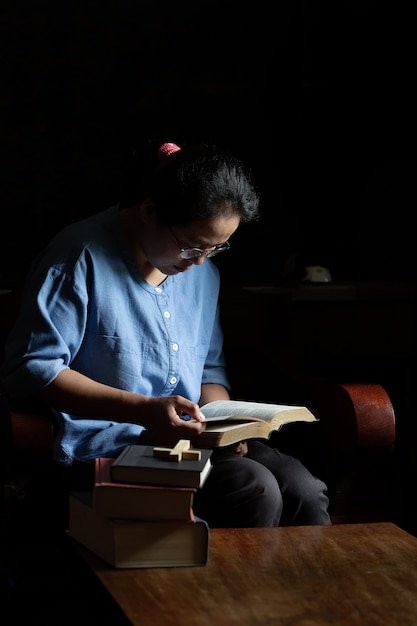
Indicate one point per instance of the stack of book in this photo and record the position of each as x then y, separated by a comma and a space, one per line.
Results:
140, 512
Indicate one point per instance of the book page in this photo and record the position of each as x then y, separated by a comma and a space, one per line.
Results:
221, 410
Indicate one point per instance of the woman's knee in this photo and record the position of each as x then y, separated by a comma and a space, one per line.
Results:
305, 495
240, 492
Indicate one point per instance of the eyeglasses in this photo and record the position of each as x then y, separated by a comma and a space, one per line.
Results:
193, 253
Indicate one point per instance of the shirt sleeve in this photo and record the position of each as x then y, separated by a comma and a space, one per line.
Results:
215, 365
46, 335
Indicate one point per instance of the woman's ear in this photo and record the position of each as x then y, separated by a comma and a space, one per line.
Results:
147, 210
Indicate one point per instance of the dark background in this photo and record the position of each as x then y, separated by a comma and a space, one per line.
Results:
317, 97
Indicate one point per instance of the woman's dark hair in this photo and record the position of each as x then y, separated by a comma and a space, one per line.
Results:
191, 183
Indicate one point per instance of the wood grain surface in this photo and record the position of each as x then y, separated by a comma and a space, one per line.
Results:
349, 574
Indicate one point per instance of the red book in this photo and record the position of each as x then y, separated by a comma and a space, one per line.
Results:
139, 502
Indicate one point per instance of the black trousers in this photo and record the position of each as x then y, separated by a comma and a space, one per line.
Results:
264, 488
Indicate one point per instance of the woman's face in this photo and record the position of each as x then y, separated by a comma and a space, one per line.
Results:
165, 246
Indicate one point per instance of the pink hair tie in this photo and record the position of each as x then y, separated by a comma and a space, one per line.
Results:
166, 149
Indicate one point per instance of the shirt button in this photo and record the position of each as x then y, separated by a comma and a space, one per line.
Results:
167, 314
158, 289
175, 347
173, 380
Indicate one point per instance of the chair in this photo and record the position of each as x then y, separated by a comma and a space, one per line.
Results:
352, 447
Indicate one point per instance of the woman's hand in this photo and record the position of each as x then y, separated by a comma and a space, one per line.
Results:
75, 393
164, 422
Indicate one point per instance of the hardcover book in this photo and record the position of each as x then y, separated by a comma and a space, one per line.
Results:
230, 421
137, 464
141, 502
137, 544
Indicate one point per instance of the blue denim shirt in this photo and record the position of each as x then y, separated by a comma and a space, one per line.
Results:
87, 307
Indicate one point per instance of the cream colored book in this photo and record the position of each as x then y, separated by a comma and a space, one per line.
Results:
230, 421
126, 543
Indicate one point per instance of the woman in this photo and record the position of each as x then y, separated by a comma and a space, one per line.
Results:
119, 334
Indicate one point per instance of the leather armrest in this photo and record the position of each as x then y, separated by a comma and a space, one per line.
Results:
354, 415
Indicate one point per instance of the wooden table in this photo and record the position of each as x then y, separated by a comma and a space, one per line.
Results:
353, 574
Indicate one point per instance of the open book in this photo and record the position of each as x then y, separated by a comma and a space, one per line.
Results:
230, 421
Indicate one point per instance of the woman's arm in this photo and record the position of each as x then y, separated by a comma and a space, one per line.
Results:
211, 392
72, 392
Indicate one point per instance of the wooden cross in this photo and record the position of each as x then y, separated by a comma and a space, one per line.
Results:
181, 451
